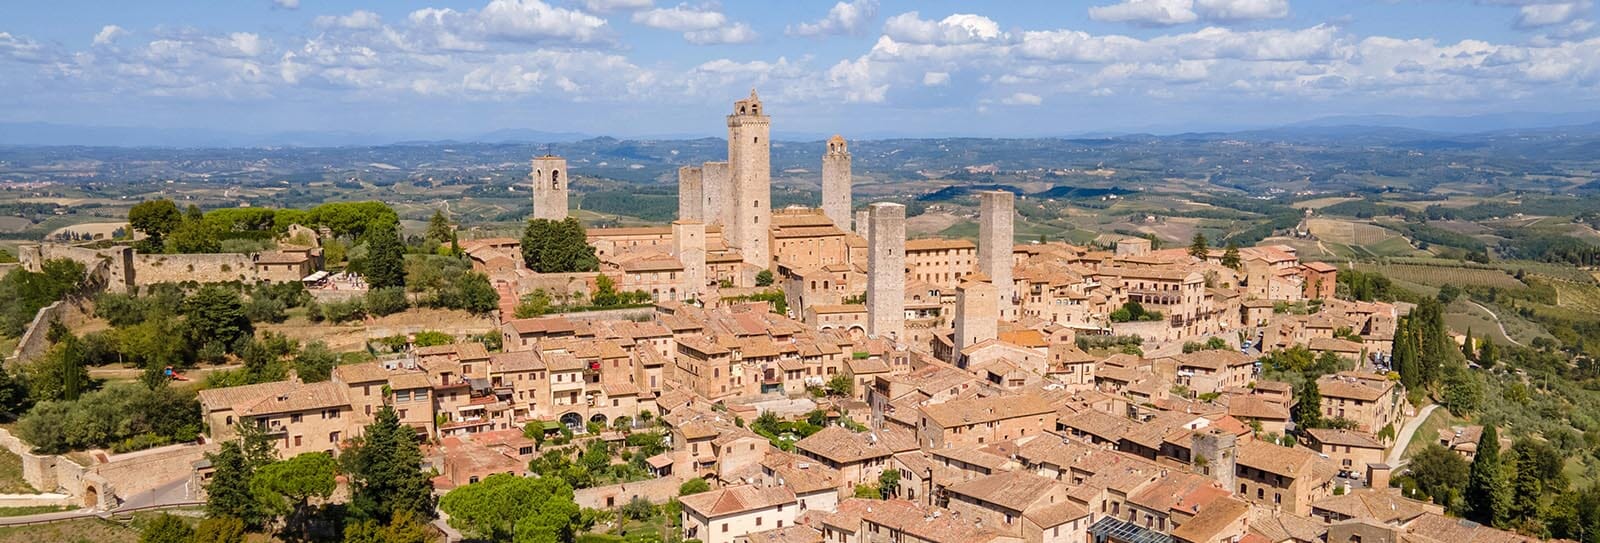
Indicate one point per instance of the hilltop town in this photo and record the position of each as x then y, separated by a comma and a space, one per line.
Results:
806, 374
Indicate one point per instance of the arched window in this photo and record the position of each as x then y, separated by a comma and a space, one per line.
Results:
555, 179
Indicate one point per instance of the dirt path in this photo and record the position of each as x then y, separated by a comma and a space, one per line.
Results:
1404, 437
1497, 323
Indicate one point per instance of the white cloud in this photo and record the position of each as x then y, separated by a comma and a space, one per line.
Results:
287, 4
735, 33
1147, 12
857, 82
681, 18
959, 28
1023, 99
357, 20
607, 6
843, 18
509, 20
109, 34
21, 49
1549, 14
1177, 12
1241, 10
936, 79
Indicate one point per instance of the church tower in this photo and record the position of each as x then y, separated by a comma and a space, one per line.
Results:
750, 159
836, 183
549, 179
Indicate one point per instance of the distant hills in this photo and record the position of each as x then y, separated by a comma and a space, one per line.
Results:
1375, 128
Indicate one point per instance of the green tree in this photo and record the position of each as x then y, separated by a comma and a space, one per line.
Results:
534, 304
386, 255
693, 486
1439, 473
193, 236
1307, 411
403, 528
156, 219
228, 494
476, 295
61, 374
26, 292
1230, 257
439, 229
889, 483
868, 492
315, 362
1539, 471
166, 528
764, 278
219, 530
216, 313
285, 488
385, 471
1488, 353
1487, 496
1466, 345
14, 397
504, 507
1198, 247
557, 247
841, 385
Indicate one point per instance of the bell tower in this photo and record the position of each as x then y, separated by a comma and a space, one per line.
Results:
750, 159
549, 180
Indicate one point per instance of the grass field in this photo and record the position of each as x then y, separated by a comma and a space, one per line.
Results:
1442, 275
1428, 431
11, 475
1349, 232
1319, 203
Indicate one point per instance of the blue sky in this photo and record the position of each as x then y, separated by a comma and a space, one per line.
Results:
868, 68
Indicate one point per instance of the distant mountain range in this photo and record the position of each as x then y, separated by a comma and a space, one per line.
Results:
1393, 128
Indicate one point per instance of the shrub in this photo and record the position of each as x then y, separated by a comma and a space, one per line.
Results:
386, 301
345, 311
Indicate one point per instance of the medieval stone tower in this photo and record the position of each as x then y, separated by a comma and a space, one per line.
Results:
689, 245
836, 182
549, 179
995, 213
977, 315
1214, 454
886, 271
714, 180
750, 158
691, 194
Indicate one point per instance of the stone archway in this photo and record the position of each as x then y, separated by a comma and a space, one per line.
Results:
573, 421
91, 497
598, 417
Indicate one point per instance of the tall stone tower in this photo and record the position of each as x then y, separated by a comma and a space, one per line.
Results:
836, 182
689, 245
714, 184
1215, 454
977, 315
996, 210
863, 225
750, 157
549, 179
691, 194
886, 271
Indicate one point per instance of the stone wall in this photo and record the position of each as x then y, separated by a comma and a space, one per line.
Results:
34, 343
201, 268
658, 491
46, 473
141, 471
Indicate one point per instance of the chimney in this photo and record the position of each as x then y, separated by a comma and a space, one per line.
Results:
1378, 475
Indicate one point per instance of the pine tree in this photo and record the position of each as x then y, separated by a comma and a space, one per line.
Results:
1488, 495
1466, 345
1488, 353
228, 494
1198, 247
386, 254
385, 469
1405, 355
439, 229
1308, 406
1230, 257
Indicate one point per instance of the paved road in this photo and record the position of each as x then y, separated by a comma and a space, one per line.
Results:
1404, 437
1497, 323
173, 494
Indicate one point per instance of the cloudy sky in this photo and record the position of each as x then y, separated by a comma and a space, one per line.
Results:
439, 68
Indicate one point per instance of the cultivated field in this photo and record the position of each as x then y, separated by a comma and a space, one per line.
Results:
1437, 276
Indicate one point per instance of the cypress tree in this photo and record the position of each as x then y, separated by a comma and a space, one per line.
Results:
1488, 496
1466, 345
385, 470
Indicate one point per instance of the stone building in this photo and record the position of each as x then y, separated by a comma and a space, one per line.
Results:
750, 157
836, 182
996, 212
549, 179
886, 276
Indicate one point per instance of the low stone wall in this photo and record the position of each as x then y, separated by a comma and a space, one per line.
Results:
632, 313
46, 473
201, 268
37, 500
34, 343
141, 471
658, 491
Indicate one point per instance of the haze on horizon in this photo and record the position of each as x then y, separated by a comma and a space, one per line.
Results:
442, 69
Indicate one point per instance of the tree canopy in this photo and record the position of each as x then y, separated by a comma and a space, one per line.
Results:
506, 507
557, 247
385, 470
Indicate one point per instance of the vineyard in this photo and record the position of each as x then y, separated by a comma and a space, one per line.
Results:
1437, 276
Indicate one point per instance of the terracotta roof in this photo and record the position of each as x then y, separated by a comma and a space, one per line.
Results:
365, 372
323, 395
1294, 462
736, 499
933, 244
1015, 490
516, 361
1384, 505
280, 257
1256, 408
981, 410
795, 533
1342, 387
1212, 519
240, 397
843, 446
1329, 436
